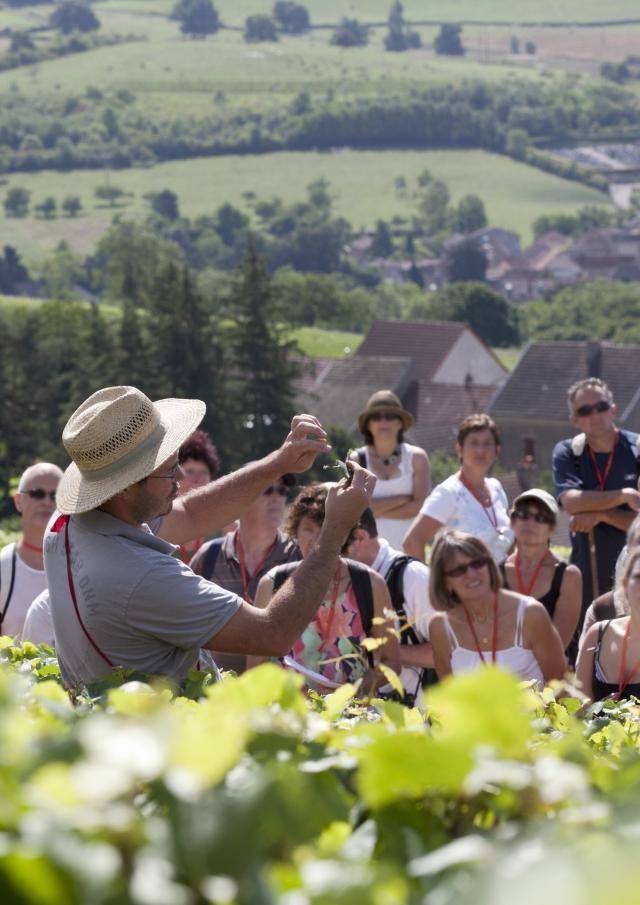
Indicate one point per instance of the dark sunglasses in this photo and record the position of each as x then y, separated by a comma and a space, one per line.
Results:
523, 515
275, 488
585, 410
39, 494
384, 416
459, 571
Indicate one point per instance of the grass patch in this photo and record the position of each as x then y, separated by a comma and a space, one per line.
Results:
363, 185
508, 357
317, 343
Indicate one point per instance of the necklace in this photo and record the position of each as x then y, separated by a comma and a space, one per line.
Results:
494, 638
31, 547
390, 460
527, 591
622, 682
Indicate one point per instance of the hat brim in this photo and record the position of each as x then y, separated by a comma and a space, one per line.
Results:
180, 418
534, 494
405, 416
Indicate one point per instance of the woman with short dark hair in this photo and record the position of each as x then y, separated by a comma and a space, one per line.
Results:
468, 500
331, 645
480, 623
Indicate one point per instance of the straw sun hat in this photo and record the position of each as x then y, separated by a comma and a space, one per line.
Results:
384, 401
119, 436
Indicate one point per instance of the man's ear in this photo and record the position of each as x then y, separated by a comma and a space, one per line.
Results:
17, 502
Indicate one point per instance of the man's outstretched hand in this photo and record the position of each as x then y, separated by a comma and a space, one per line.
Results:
347, 500
306, 440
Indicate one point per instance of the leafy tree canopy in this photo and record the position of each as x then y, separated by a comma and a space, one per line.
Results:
350, 33
260, 28
74, 15
197, 18
448, 41
292, 18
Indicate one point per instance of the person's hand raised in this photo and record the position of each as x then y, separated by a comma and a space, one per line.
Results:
306, 440
347, 500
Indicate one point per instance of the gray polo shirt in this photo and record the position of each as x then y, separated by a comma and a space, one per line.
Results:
144, 609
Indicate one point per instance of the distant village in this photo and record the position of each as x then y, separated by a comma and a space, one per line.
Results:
552, 262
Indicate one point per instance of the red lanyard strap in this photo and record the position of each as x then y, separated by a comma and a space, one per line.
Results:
243, 571
489, 510
622, 683
184, 553
65, 521
536, 572
602, 478
494, 639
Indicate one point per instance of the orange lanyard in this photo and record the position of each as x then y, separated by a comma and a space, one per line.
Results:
536, 572
622, 684
494, 639
489, 511
602, 478
243, 571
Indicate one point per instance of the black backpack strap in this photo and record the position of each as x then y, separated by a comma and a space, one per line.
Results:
395, 583
360, 576
280, 574
7, 578
211, 557
362, 456
503, 573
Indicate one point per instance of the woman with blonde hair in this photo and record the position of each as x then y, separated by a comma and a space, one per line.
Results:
479, 623
609, 658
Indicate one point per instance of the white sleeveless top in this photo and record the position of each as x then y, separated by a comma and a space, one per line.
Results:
394, 529
517, 659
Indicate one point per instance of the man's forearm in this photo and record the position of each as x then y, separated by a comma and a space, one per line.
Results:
618, 518
575, 501
295, 604
208, 509
416, 655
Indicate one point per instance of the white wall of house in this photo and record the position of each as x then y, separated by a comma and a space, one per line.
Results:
469, 356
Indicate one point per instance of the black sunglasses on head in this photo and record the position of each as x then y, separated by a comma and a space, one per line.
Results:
39, 494
585, 410
459, 571
523, 515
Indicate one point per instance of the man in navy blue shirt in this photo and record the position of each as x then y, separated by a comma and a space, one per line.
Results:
596, 478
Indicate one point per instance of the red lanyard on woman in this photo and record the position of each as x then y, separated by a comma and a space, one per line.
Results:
602, 478
623, 662
494, 639
536, 572
184, 553
243, 570
331, 615
489, 511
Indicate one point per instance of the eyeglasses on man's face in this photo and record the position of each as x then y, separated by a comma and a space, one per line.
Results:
584, 411
37, 493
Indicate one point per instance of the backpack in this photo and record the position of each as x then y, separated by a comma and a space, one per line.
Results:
211, 557
408, 635
361, 581
7, 578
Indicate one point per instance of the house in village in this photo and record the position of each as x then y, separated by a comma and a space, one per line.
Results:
531, 405
442, 372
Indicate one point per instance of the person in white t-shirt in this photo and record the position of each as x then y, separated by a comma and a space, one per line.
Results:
22, 575
468, 500
408, 584
38, 623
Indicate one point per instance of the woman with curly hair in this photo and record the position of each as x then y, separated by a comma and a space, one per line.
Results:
198, 460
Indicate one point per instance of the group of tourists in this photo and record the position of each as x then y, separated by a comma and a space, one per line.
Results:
140, 556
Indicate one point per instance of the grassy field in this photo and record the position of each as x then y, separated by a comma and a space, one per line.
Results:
318, 343
362, 183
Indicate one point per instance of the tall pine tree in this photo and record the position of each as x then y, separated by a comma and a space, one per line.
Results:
261, 365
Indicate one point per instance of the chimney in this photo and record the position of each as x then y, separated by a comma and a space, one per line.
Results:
594, 359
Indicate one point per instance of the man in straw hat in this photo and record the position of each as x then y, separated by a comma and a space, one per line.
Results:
118, 596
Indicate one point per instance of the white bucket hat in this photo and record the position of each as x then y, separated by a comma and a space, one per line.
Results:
119, 436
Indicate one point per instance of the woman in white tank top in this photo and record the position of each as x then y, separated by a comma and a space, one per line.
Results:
482, 625
402, 470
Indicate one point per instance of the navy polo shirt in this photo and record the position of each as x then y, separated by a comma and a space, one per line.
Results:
576, 472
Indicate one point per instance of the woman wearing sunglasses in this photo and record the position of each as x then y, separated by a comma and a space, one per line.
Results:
468, 500
330, 649
535, 571
481, 624
402, 470
609, 658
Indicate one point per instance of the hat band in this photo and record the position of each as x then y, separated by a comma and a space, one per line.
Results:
150, 442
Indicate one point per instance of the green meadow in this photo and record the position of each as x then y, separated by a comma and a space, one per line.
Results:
362, 184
